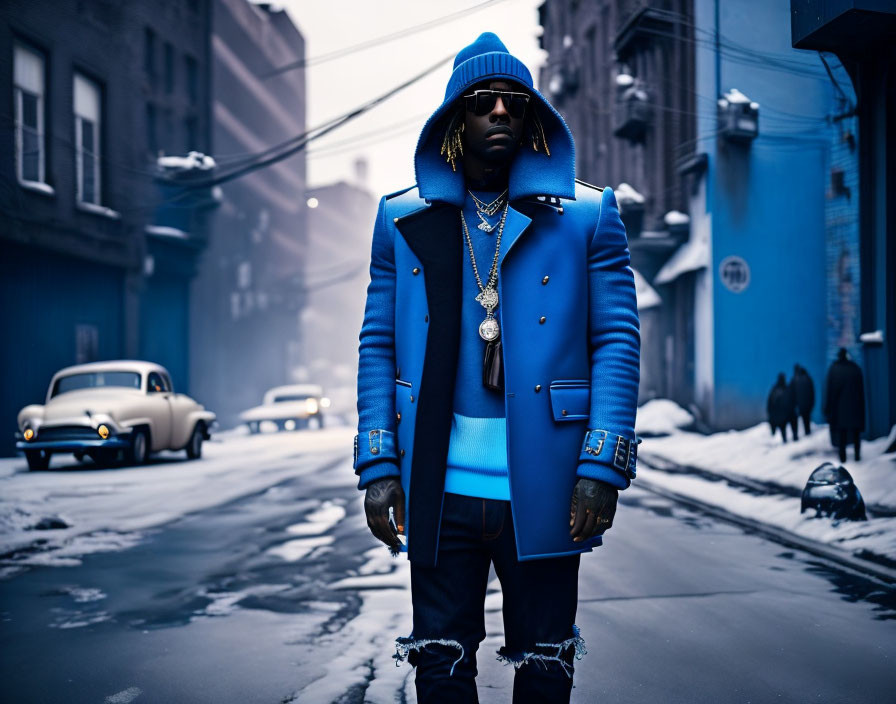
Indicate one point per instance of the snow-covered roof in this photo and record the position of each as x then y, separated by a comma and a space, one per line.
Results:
627, 194
645, 293
193, 160
675, 217
692, 255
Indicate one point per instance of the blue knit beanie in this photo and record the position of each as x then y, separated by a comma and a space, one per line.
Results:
531, 173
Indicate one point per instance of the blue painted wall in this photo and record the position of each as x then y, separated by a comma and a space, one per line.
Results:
44, 297
768, 201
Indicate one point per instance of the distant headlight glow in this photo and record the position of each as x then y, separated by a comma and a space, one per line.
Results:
311, 405
103, 431
325, 402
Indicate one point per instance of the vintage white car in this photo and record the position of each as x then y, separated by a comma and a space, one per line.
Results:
104, 409
288, 408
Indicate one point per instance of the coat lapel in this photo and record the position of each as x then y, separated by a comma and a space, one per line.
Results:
434, 236
514, 227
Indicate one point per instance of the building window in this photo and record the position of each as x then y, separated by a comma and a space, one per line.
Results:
149, 54
87, 139
29, 106
191, 135
152, 141
169, 68
192, 75
87, 343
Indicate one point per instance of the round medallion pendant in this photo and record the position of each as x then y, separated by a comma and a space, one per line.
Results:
489, 330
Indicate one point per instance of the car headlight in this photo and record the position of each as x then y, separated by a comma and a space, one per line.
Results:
311, 405
325, 402
103, 431
28, 434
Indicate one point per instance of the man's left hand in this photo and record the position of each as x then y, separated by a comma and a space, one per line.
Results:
592, 508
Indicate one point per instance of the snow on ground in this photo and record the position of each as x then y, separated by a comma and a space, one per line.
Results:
753, 454
109, 509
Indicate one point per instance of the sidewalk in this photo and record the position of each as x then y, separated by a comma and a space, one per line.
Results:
755, 479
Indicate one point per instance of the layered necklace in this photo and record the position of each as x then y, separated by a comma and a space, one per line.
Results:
484, 209
488, 293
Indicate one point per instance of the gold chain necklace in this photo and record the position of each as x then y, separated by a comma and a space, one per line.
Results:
488, 294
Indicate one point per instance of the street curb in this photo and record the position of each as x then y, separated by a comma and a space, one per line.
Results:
779, 535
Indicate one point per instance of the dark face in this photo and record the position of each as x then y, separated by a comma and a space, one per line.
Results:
493, 138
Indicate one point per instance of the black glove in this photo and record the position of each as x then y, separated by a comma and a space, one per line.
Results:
382, 494
592, 508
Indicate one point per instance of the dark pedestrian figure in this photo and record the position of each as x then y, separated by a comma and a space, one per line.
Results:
781, 407
804, 393
844, 405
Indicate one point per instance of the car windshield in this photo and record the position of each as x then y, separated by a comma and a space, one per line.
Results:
91, 380
285, 398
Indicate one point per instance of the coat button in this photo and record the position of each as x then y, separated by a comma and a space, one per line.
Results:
545, 280
425, 318
374, 450
415, 270
412, 399
537, 388
395, 220
402, 453
398, 417
564, 412
542, 319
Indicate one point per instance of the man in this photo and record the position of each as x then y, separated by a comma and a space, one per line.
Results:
498, 379
781, 408
844, 405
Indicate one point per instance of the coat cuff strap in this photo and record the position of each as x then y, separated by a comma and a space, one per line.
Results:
373, 447
611, 450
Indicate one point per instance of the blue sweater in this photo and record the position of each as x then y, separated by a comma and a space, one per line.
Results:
477, 449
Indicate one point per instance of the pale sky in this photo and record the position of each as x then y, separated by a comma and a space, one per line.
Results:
337, 86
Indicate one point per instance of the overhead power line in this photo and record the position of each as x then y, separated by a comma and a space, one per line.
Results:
345, 51
298, 143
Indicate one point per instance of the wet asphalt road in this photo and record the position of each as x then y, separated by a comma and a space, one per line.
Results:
228, 605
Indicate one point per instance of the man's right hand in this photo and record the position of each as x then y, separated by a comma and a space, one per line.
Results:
382, 494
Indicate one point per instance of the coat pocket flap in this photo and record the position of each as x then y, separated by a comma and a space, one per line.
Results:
570, 399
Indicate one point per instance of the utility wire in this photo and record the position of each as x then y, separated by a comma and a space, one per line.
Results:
345, 51
301, 141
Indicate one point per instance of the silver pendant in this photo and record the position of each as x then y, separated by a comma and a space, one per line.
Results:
489, 329
488, 298
484, 226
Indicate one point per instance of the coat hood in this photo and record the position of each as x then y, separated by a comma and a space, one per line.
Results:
531, 173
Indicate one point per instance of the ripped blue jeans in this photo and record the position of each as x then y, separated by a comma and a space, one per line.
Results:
540, 599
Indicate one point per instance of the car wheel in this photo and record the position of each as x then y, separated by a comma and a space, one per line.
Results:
139, 448
37, 459
194, 446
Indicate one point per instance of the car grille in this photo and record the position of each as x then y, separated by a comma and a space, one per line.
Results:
66, 432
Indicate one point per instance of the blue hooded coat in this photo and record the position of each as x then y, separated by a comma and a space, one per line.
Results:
568, 319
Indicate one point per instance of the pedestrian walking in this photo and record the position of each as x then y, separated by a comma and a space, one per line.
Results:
844, 405
781, 408
803, 390
498, 380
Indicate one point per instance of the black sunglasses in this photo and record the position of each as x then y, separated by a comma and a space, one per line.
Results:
482, 102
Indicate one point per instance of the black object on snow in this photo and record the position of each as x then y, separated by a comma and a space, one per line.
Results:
832, 492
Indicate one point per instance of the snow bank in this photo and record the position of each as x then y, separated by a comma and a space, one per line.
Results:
754, 454
627, 194
661, 417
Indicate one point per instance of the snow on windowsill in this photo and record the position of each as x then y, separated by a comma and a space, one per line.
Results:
98, 210
38, 187
164, 231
